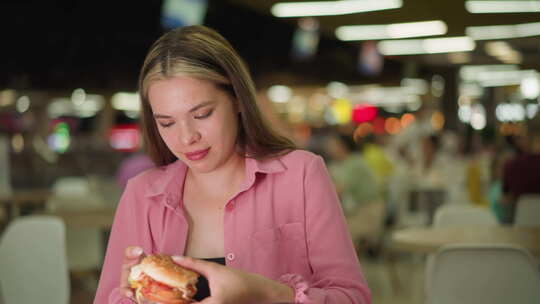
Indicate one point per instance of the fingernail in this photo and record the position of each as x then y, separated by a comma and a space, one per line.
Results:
136, 251
177, 258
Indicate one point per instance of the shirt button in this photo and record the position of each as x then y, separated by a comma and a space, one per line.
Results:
229, 207
230, 256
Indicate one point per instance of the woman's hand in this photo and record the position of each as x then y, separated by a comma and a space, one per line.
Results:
233, 286
132, 256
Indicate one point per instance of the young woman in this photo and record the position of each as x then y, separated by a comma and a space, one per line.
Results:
230, 199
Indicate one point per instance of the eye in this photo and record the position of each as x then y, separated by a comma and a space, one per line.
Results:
204, 115
165, 124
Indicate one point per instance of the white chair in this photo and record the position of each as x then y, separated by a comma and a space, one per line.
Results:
528, 210
33, 267
84, 244
483, 274
463, 215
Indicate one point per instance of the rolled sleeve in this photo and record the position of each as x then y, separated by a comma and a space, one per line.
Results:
337, 277
298, 284
123, 234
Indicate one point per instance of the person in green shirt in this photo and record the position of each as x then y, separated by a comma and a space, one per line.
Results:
355, 181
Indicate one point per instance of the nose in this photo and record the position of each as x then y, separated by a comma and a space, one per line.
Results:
189, 134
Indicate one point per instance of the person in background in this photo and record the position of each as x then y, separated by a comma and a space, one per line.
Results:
430, 176
230, 199
131, 166
374, 155
494, 196
521, 173
354, 179
478, 158
358, 190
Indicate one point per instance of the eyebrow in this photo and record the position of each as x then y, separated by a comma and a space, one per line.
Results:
195, 108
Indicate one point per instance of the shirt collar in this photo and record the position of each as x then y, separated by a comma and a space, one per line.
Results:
172, 176
254, 166
169, 178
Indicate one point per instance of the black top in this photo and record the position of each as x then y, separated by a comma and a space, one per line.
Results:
203, 291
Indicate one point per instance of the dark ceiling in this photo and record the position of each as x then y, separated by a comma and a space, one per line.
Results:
452, 12
101, 44
63, 44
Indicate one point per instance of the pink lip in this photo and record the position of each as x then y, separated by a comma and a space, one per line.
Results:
197, 155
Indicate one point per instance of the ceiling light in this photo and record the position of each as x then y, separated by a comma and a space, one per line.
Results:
415, 85
401, 47
426, 46
494, 32
391, 31
337, 89
126, 101
504, 78
530, 86
531, 110
7, 97
382, 96
472, 72
23, 104
483, 7
459, 58
449, 45
528, 29
93, 103
510, 112
78, 96
503, 51
328, 8
279, 93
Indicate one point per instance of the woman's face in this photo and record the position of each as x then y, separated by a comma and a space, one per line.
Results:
197, 121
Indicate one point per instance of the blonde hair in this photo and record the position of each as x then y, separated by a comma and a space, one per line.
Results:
200, 52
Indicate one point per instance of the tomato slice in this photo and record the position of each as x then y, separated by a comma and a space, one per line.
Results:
163, 300
158, 292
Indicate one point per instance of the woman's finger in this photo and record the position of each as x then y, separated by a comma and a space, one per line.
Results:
128, 293
132, 253
132, 257
200, 266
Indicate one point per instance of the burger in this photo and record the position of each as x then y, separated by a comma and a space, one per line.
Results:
158, 279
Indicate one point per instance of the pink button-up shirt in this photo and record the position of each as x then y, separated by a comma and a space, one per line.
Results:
285, 223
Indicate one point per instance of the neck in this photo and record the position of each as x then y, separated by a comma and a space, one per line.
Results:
223, 181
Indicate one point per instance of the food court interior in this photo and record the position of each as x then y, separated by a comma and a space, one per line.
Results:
425, 112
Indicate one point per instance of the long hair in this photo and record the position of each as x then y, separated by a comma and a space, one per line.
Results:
200, 52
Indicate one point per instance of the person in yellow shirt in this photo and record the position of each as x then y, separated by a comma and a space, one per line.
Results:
375, 157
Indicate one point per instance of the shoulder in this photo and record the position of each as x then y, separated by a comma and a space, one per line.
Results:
148, 175
298, 157
154, 177
303, 163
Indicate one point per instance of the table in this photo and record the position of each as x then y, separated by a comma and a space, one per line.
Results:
428, 240
101, 218
98, 219
19, 197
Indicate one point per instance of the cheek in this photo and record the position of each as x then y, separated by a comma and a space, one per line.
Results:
218, 130
229, 130
167, 137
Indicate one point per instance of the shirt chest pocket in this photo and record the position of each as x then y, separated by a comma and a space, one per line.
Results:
282, 249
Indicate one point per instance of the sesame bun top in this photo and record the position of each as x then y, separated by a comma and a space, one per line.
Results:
164, 270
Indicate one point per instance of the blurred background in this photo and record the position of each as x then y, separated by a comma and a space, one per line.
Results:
415, 105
